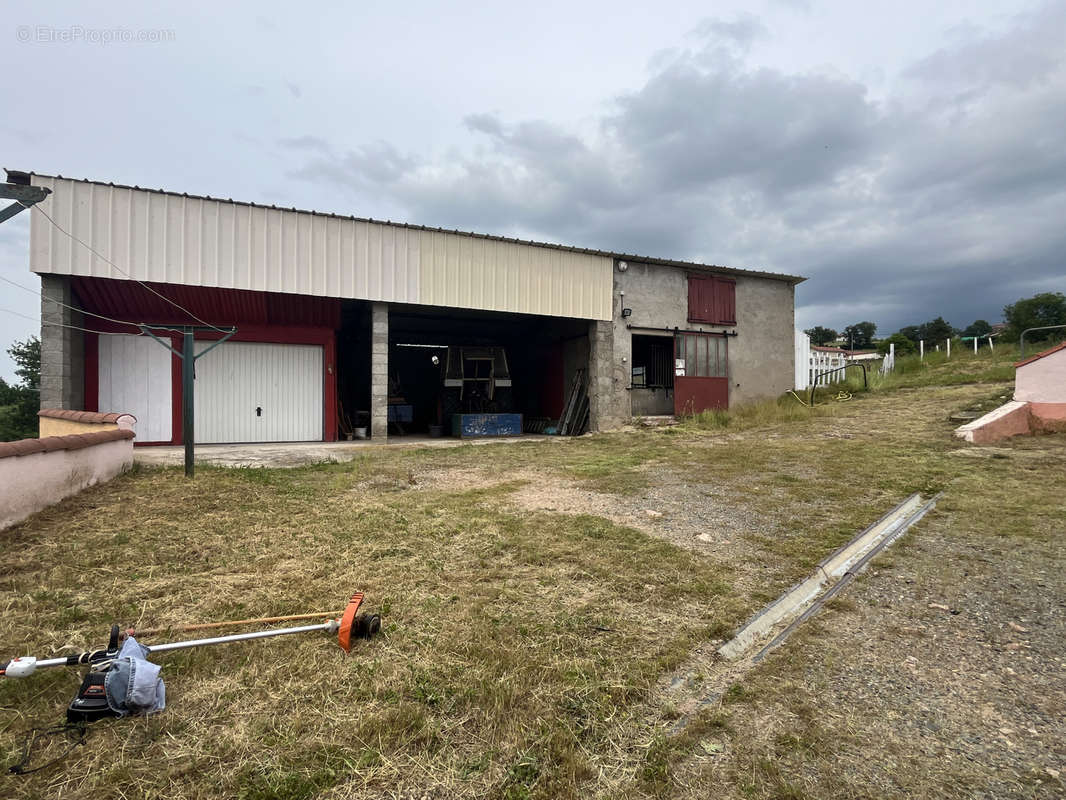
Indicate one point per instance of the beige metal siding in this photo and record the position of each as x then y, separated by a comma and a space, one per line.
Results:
169, 238
470, 272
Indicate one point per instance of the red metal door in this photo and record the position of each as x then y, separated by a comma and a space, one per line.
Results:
701, 376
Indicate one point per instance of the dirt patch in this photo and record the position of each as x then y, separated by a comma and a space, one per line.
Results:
697, 517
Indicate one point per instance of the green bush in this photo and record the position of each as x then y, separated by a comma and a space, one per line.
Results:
904, 346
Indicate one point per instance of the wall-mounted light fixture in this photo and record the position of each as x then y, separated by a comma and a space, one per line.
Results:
627, 312
623, 266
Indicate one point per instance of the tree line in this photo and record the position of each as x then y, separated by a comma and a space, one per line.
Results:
1046, 308
20, 402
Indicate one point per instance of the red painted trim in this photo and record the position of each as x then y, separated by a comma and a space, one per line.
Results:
176, 422
330, 388
92, 372
269, 334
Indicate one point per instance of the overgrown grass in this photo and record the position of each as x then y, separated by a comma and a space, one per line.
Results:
519, 649
910, 372
509, 642
936, 369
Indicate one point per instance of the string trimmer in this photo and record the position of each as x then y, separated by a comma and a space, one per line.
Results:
91, 702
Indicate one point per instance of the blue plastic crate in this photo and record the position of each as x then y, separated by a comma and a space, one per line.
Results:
472, 426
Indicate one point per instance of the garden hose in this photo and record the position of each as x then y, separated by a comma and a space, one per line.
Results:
840, 397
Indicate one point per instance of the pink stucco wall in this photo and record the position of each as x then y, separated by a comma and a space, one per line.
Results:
1010, 419
1048, 417
34, 481
1042, 380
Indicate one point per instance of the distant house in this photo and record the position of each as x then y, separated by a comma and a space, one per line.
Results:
856, 356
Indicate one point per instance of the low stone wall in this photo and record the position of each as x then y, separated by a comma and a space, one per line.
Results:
63, 421
36, 473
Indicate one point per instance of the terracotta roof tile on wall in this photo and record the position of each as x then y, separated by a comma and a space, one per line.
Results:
74, 441
1049, 351
80, 416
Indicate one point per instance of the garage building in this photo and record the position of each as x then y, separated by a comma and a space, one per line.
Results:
345, 324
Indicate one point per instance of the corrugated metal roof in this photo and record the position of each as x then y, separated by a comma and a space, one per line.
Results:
793, 279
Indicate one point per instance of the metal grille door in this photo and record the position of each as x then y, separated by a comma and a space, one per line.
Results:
252, 392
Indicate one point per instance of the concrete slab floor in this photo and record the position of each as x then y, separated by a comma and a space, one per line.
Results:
296, 454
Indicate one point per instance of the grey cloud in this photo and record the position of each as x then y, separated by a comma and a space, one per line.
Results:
780, 132
943, 199
484, 123
1031, 52
312, 143
743, 30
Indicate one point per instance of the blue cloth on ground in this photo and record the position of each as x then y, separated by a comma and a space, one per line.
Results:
133, 684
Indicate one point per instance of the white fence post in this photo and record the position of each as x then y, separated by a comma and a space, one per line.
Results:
888, 363
921, 349
949, 348
803, 361
990, 347
975, 345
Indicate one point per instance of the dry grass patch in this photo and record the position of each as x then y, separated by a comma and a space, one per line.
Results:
524, 648
509, 640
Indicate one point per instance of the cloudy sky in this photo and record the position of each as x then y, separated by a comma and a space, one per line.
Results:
909, 158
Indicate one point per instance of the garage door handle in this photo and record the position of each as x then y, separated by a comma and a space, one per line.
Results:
259, 411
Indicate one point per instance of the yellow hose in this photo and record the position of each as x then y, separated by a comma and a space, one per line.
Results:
840, 397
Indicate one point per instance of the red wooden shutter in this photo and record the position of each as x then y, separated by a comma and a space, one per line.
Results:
726, 301
700, 299
712, 300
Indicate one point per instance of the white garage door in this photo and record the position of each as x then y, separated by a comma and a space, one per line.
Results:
134, 373
251, 392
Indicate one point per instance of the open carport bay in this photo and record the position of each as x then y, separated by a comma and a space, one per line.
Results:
441, 363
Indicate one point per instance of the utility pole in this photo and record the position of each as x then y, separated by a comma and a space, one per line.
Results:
188, 356
24, 197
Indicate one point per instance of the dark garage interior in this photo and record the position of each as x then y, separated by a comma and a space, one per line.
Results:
653, 375
461, 362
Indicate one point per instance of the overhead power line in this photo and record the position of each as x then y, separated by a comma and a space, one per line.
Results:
160, 295
65, 305
72, 327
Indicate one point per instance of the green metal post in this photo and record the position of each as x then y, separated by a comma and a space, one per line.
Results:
188, 373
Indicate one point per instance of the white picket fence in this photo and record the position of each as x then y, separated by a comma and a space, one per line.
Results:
811, 363
822, 362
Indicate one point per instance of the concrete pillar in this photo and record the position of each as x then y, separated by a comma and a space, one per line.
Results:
607, 395
379, 371
62, 349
